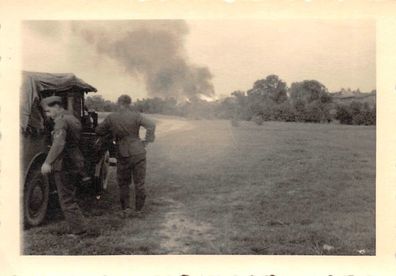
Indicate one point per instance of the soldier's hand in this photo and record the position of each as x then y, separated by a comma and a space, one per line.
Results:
45, 168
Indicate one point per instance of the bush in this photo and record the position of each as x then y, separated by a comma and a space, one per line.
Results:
344, 115
317, 112
313, 112
371, 118
365, 117
356, 113
284, 112
258, 119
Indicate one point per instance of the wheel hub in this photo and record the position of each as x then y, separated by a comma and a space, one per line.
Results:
37, 198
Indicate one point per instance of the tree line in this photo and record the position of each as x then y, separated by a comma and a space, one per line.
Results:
269, 99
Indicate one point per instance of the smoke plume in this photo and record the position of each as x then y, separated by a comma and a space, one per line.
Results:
153, 50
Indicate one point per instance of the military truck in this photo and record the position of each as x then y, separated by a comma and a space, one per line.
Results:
36, 139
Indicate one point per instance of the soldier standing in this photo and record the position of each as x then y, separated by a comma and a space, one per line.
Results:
124, 126
66, 161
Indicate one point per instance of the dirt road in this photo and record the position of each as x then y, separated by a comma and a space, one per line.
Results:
178, 230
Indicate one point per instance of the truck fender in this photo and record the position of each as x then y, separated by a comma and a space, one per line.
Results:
37, 158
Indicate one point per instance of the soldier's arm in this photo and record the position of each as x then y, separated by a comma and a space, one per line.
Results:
149, 125
104, 127
58, 144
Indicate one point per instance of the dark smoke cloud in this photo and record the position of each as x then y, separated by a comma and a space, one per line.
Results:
153, 49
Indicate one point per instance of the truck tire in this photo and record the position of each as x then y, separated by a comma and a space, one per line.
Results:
35, 197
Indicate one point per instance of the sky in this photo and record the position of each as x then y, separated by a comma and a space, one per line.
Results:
149, 58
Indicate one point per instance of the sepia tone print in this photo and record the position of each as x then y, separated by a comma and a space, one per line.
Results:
220, 137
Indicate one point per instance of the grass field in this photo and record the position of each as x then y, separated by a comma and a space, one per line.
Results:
279, 188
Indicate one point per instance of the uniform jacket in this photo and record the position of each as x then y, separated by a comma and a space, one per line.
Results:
124, 126
65, 152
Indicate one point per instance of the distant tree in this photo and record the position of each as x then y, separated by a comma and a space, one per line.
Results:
157, 105
299, 106
316, 112
373, 116
365, 116
227, 108
109, 106
239, 95
309, 91
94, 102
311, 101
272, 87
242, 110
261, 99
355, 108
343, 114
267, 111
285, 112
356, 113
170, 106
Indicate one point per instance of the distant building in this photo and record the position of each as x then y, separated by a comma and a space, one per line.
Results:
346, 97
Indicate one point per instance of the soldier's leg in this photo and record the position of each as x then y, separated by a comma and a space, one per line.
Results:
66, 192
124, 178
139, 175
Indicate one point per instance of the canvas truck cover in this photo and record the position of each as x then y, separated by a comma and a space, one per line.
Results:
33, 83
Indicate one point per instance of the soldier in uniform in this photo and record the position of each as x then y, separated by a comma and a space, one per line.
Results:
124, 127
66, 161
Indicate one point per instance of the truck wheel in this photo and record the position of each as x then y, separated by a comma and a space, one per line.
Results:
104, 171
35, 197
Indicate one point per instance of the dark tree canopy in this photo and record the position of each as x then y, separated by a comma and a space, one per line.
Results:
268, 100
272, 88
309, 91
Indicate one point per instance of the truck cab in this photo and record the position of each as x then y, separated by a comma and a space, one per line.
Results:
36, 138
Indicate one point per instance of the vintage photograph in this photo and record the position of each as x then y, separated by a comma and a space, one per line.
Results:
198, 137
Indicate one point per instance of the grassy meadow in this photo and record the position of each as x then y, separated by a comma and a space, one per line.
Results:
279, 188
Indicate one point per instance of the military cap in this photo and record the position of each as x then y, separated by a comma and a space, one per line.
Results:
51, 100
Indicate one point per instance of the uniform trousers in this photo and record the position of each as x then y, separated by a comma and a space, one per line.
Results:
128, 167
66, 187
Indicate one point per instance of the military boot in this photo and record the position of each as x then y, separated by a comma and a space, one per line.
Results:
139, 203
125, 213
